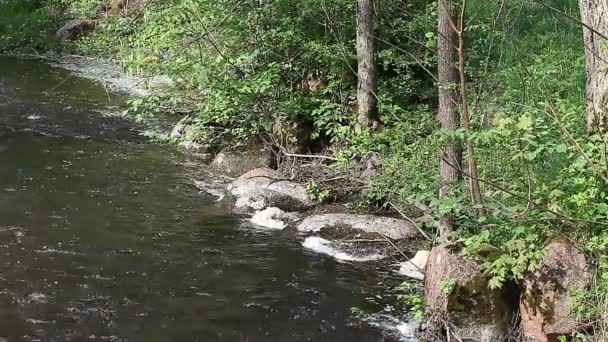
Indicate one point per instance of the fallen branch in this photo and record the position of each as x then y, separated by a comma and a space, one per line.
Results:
561, 216
364, 241
313, 156
410, 220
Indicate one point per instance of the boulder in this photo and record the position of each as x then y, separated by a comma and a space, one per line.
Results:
546, 302
71, 29
261, 188
369, 225
293, 135
415, 267
457, 291
237, 162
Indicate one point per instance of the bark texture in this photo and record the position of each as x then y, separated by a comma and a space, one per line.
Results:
367, 104
594, 14
448, 115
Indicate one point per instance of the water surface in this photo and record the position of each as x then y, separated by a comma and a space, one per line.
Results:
104, 238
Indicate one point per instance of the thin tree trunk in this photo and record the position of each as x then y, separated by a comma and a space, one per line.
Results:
367, 67
594, 13
448, 112
474, 187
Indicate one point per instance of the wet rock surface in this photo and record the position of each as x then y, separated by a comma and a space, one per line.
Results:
353, 237
371, 226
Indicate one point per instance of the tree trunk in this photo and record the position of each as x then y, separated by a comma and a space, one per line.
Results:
594, 14
367, 68
474, 187
448, 115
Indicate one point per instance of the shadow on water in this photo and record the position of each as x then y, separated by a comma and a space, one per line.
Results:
50, 101
105, 240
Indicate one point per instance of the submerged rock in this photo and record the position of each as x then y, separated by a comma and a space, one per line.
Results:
415, 267
546, 303
259, 189
372, 226
457, 291
213, 185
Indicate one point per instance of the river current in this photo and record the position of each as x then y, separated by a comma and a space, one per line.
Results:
103, 236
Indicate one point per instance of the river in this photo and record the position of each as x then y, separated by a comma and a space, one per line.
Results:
103, 236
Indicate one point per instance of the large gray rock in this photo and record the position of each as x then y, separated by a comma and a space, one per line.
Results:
457, 291
546, 302
71, 29
237, 162
294, 135
375, 225
352, 237
261, 188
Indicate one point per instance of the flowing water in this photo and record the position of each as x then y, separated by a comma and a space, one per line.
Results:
104, 238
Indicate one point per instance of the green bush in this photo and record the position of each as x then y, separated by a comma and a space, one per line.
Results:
25, 24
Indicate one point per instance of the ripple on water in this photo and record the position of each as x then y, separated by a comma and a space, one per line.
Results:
120, 245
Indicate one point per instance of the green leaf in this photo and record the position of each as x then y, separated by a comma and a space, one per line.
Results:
561, 148
525, 122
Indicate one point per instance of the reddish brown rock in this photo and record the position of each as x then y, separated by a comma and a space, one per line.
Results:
476, 312
546, 305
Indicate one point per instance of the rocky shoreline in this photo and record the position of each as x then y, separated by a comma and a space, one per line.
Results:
270, 200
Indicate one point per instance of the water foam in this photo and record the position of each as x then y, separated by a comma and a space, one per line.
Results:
323, 246
404, 331
273, 218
